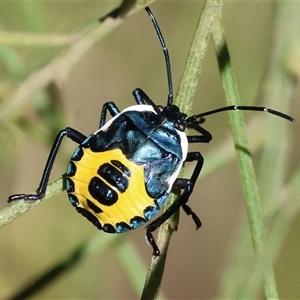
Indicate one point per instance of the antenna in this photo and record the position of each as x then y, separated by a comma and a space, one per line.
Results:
166, 55
239, 107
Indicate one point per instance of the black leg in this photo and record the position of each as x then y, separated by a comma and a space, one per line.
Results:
187, 185
71, 133
204, 138
113, 110
195, 218
142, 98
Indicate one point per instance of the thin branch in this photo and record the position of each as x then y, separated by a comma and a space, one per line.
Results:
28, 39
59, 69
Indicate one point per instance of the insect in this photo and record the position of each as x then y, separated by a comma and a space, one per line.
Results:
120, 176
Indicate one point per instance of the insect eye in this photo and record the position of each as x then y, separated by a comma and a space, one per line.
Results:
160, 107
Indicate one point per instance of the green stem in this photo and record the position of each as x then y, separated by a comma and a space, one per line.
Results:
248, 177
184, 100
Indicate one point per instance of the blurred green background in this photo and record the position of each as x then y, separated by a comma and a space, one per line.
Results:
130, 57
